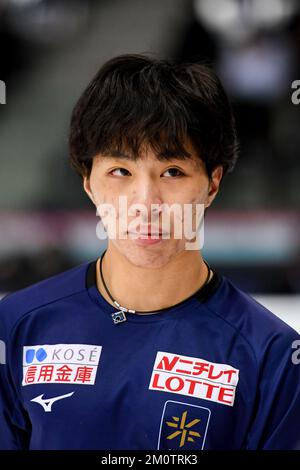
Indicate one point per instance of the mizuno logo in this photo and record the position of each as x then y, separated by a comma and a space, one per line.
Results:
48, 402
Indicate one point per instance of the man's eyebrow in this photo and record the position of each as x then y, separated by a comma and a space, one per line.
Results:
173, 155
117, 154
162, 156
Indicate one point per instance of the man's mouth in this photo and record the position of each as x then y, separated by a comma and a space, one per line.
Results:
148, 234
154, 236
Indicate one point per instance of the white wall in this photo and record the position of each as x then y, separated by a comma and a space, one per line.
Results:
286, 307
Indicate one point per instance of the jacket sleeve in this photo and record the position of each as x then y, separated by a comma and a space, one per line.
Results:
276, 423
14, 422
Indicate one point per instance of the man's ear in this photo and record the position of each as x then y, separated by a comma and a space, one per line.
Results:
87, 188
214, 184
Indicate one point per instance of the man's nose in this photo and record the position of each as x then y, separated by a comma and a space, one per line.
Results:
147, 193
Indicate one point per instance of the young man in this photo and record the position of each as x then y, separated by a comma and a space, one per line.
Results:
147, 347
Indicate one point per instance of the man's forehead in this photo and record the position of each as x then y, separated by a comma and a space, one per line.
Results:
168, 155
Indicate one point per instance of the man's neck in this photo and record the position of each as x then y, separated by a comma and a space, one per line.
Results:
145, 289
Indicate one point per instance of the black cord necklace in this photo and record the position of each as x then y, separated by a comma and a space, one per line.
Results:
119, 316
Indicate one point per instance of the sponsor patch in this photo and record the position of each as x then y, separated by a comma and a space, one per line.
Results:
60, 363
194, 377
183, 426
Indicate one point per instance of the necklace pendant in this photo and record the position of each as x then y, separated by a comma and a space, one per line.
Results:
118, 317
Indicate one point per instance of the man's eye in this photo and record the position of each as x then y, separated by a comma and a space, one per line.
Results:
121, 170
174, 172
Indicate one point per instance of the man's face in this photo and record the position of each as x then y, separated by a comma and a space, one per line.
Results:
160, 199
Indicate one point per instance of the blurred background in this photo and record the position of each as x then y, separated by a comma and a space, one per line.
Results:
50, 50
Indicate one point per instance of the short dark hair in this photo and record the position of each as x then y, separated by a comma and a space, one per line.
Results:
135, 100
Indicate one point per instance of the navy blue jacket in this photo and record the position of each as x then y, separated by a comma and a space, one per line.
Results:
212, 372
